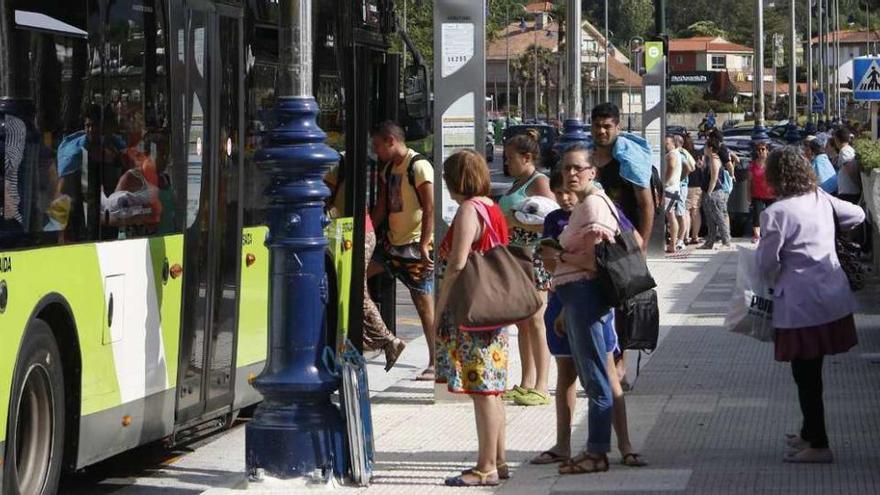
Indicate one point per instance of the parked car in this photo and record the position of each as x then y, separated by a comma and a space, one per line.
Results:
676, 130
548, 137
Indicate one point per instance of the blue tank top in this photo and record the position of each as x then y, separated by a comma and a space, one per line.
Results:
515, 197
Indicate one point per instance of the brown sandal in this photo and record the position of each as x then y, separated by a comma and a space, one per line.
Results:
548, 457
633, 460
585, 464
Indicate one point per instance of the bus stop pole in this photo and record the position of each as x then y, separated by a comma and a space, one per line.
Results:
296, 432
574, 127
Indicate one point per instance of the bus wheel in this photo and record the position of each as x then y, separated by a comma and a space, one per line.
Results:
35, 428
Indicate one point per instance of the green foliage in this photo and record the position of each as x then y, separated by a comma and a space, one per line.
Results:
523, 67
419, 26
500, 11
867, 153
704, 28
680, 99
626, 19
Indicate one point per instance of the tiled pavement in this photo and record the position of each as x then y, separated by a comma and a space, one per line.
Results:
708, 412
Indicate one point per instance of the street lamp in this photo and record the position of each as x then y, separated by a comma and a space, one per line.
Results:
759, 133
809, 55
297, 432
574, 128
607, 44
791, 134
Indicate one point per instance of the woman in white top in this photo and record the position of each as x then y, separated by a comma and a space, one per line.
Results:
848, 182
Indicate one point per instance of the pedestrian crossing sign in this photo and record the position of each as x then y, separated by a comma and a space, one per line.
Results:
866, 79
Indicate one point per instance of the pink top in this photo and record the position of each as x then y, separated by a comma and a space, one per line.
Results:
760, 187
593, 216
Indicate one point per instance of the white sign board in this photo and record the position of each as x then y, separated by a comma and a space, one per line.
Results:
458, 126
458, 46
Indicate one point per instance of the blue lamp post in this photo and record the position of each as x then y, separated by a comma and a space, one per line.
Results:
297, 432
759, 133
574, 129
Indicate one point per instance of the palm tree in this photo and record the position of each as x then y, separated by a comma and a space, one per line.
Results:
523, 67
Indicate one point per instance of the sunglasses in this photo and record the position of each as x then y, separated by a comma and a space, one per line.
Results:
576, 168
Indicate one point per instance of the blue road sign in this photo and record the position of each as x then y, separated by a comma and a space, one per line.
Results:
819, 101
866, 79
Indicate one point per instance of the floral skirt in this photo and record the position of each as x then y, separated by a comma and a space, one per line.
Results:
471, 362
811, 342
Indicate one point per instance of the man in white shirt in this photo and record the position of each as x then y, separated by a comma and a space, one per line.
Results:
671, 190
848, 182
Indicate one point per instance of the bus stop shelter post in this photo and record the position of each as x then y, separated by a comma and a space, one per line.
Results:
574, 128
297, 432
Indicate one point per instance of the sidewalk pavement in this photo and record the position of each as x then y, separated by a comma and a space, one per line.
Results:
708, 412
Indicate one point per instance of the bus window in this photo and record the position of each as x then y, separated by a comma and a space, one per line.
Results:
139, 196
51, 145
262, 62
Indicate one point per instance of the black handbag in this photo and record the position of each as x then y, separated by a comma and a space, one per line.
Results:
621, 268
638, 322
848, 253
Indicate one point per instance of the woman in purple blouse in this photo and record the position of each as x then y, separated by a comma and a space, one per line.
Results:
813, 305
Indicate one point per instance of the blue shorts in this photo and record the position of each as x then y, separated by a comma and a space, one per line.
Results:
559, 345
680, 208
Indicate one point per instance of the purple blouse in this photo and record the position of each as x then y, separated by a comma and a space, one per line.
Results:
798, 258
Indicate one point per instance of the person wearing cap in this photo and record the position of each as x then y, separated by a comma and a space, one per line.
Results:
814, 149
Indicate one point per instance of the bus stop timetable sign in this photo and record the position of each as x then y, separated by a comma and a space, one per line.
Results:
866, 79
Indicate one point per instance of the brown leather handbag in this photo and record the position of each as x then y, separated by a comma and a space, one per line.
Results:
495, 288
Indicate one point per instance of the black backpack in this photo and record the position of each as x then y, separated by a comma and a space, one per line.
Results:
410, 175
657, 190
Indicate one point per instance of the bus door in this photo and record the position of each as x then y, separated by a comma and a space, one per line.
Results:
210, 77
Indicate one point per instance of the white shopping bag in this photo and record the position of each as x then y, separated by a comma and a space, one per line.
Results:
751, 310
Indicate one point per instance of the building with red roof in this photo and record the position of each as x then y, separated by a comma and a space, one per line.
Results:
707, 53
541, 29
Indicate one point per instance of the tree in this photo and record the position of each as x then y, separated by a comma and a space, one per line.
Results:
704, 28
680, 99
636, 19
523, 69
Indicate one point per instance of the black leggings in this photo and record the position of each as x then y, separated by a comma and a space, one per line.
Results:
808, 377
758, 206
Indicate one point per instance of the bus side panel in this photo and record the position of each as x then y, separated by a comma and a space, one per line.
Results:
165, 253
340, 236
74, 274
253, 314
141, 328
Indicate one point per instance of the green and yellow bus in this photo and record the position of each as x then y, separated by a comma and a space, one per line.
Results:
133, 274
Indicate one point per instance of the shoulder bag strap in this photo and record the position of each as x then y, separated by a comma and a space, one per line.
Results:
482, 212
613, 212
